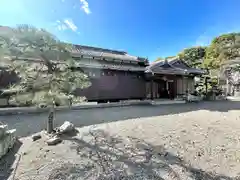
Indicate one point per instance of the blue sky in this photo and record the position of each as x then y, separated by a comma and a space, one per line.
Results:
153, 28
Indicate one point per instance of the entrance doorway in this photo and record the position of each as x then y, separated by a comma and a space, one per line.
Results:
171, 89
162, 89
167, 89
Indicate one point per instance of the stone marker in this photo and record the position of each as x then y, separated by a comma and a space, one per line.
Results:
3, 129
54, 141
36, 137
12, 135
66, 127
7, 141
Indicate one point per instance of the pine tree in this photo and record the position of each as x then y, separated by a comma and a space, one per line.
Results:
44, 65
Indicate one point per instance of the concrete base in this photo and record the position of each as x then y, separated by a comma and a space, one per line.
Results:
3, 102
3, 129
31, 110
192, 98
7, 141
233, 98
237, 94
166, 101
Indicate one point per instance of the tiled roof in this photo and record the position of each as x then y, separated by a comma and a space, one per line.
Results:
113, 67
90, 48
81, 50
105, 53
172, 67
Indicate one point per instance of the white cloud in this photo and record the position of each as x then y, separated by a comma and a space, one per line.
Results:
66, 24
70, 24
85, 6
60, 26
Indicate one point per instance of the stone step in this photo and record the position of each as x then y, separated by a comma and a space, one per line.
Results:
166, 102
7, 141
3, 129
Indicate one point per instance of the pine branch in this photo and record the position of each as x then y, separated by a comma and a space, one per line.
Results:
45, 78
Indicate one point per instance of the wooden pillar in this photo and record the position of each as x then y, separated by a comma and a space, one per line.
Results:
175, 87
227, 86
206, 85
183, 85
151, 89
166, 82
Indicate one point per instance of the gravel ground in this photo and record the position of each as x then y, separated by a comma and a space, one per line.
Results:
199, 144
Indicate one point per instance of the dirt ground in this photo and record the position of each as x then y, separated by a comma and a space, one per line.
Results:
193, 145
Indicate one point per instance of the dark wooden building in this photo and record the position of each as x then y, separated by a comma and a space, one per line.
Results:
173, 75
115, 75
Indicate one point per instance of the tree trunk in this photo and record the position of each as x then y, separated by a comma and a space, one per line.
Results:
50, 120
206, 86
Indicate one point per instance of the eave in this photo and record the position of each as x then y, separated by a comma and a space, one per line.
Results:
118, 68
104, 56
4, 65
165, 67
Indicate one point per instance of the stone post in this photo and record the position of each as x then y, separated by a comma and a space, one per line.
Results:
7, 139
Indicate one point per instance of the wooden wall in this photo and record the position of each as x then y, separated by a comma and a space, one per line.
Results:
184, 84
108, 85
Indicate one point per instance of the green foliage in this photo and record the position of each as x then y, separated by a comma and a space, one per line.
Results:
51, 72
193, 56
169, 57
236, 68
222, 49
159, 59
216, 57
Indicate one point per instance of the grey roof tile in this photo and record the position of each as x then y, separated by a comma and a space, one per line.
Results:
171, 67
79, 50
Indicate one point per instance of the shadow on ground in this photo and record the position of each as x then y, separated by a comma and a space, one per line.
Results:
32, 123
108, 157
7, 161
104, 115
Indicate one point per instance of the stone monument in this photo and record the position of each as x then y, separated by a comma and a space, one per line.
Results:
7, 139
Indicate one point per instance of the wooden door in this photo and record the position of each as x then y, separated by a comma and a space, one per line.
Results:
172, 89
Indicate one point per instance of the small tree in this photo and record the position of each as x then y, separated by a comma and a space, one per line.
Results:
44, 64
193, 56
